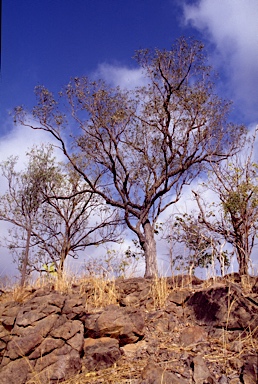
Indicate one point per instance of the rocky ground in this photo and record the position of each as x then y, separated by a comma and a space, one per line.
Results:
168, 330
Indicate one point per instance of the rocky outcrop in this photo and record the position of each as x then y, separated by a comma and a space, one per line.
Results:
224, 306
198, 335
42, 342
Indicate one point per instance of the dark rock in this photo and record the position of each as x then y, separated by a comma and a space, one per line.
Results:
179, 297
57, 366
134, 292
183, 281
49, 337
124, 324
134, 350
73, 308
100, 353
223, 306
41, 336
9, 313
48, 345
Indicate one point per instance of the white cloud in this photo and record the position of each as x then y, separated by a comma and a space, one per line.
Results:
232, 26
120, 75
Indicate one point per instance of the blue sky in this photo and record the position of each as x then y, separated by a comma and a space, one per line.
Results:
47, 42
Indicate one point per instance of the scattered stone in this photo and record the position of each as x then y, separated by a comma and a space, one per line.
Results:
154, 374
201, 373
193, 335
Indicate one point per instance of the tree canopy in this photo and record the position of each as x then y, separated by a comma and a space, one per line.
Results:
53, 213
137, 148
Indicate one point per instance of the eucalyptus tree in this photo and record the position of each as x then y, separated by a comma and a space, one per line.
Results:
194, 245
20, 205
137, 149
235, 215
53, 212
73, 219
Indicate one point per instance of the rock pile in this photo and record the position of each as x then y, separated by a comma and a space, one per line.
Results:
196, 334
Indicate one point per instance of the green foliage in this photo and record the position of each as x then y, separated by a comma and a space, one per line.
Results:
200, 247
50, 269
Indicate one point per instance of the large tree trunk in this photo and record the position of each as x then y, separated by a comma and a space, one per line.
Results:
242, 247
150, 250
243, 260
25, 260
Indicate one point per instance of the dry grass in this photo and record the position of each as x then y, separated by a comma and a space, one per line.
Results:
101, 292
124, 373
159, 292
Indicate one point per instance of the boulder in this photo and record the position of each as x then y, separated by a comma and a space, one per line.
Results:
58, 365
123, 324
100, 353
134, 350
16, 372
134, 292
223, 306
193, 335
179, 297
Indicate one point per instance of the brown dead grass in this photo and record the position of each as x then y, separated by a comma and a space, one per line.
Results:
159, 292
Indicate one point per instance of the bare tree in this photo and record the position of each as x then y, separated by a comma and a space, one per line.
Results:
235, 217
137, 149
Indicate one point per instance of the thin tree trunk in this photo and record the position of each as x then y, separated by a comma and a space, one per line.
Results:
64, 253
150, 251
25, 260
61, 266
